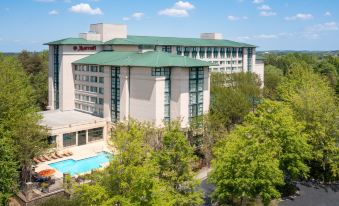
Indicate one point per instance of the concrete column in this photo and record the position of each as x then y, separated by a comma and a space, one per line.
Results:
28, 191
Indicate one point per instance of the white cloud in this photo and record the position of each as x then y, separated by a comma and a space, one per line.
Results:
299, 16
267, 13
327, 13
328, 26
243, 38
53, 12
174, 12
264, 7
85, 9
258, 1
236, 18
180, 9
136, 16
184, 5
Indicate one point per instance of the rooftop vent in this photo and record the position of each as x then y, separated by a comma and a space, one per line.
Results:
211, 36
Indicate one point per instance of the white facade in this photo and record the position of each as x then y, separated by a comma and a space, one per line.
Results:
141, 94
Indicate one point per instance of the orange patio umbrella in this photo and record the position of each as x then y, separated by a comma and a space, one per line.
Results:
46, 172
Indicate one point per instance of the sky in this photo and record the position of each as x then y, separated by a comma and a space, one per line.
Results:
269, 24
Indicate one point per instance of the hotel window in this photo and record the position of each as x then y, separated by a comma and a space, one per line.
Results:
56, 68
249, 59
94, 100
234, 52
101, 90
101, 80
51, 139
196, 85
215, 52
222, 52
69, 139
209, 52
167, 49
94, 69
95, 134
202, 52
240, 52
77, 96
179, 50
187, 51
115, 94
228, 52
94, 79
166, 72
101, 69
194, 52
85, 107
77, 106
101, 101
94, 89
239, 62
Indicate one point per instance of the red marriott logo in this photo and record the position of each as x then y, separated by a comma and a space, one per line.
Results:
84, 48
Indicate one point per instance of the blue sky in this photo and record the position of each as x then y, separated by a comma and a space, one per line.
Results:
270, 24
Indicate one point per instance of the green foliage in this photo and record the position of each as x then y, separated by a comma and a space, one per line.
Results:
144, 175
232, 97
256, 156
21, 134
175, 159
245, 167
8, 165
313, 101
36, 66
273, 77
277, 122
58, 201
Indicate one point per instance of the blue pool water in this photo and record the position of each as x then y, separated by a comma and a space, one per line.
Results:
81, 166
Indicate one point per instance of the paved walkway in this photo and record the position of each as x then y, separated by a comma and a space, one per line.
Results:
314, 196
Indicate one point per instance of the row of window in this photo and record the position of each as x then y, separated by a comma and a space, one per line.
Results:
56, 76
88, 88
90, 99
98, 111
209, 51
227, 69
89, 68
228, 62
115, 95
85, 78
196, 98
69, 139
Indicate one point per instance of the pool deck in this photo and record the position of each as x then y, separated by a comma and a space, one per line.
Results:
79, 152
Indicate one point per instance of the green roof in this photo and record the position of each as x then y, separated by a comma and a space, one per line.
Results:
73, 41
146, 59
155, 40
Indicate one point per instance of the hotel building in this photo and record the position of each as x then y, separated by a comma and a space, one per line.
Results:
106, 76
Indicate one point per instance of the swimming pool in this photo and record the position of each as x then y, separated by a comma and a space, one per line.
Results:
75, 167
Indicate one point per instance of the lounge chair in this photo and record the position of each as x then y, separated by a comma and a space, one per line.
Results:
53, 156
69, 153
58, 154
36, 160
46, 157
41, 159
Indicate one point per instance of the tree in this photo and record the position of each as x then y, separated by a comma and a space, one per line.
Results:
313, 101
18, 116
36, 66
8, 171
271, 132
233, 96
175, 159
273, 77
277, 122
132, 177
245, 167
